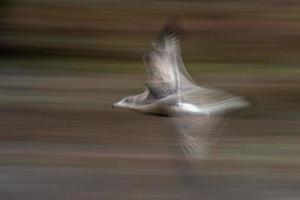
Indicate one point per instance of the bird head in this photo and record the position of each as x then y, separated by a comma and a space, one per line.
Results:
126, 102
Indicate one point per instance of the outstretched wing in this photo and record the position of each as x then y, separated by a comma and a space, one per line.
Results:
166, 71
200, 128
196, 134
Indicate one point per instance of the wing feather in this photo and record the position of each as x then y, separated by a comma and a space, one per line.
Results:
166, 71
196, 134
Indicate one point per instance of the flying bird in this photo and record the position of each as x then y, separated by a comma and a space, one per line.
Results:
170, 91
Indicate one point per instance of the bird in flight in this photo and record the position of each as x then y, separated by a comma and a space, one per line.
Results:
170, 91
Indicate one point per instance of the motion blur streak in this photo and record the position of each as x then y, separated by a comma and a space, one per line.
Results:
63, 63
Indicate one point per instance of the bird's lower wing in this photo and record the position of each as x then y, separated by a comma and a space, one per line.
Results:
196, 134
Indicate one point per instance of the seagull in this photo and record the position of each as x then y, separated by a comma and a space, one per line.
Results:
170, 91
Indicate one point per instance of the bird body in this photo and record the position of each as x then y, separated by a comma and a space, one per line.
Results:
195, 101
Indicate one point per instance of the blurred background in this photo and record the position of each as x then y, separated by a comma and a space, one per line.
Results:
63, 63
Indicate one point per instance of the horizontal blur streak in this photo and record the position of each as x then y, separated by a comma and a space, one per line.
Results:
60, 137
63, 64
218, 31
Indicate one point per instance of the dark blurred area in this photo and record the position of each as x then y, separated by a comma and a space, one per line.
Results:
63, 63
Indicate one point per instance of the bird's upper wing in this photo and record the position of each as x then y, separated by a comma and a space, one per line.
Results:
166, 71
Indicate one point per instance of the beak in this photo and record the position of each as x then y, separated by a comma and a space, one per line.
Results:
116, 105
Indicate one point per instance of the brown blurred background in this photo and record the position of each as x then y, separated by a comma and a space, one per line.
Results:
63, 63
